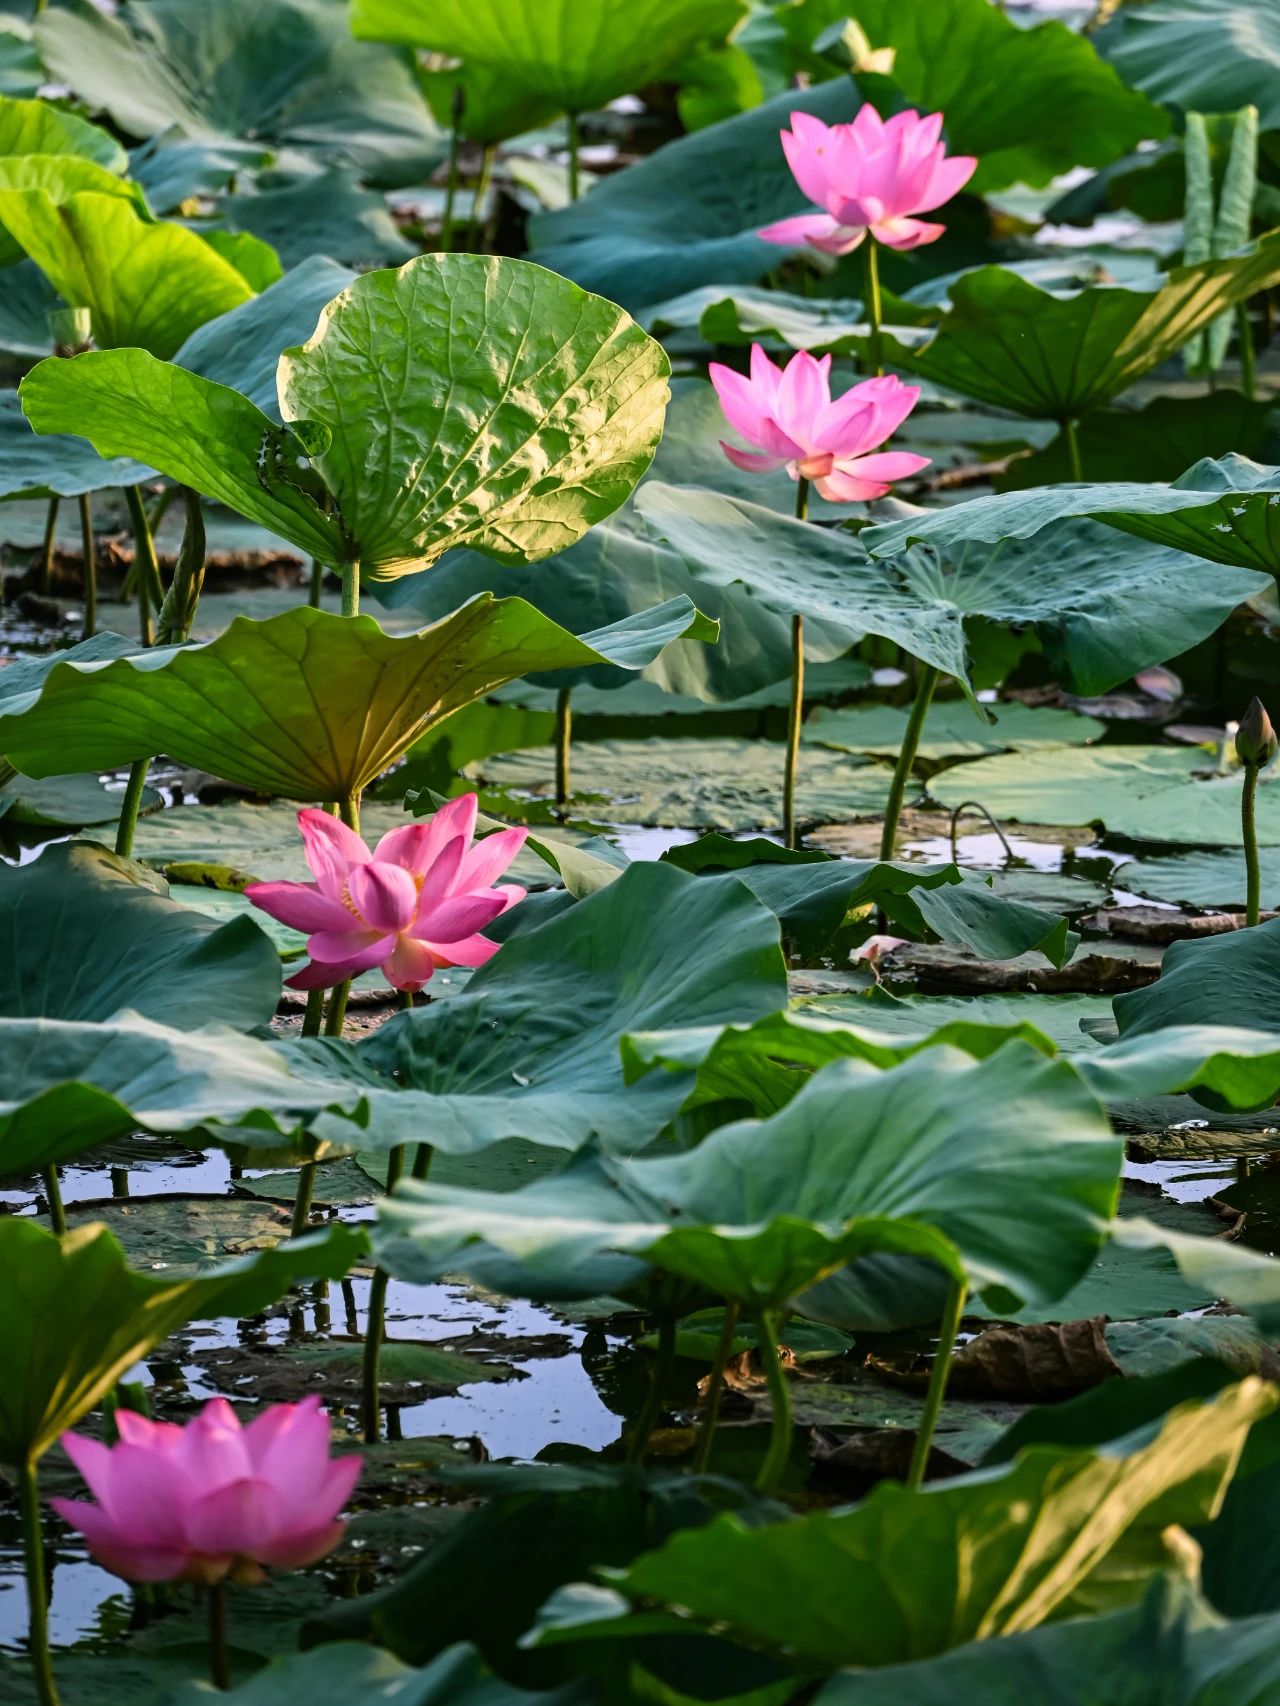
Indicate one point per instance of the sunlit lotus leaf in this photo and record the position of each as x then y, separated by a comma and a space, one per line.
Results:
577, 54
40, 127
308, 705
59, 177
55, 466
76, 1317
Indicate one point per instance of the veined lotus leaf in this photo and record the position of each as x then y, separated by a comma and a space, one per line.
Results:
58, 466
950, 730
91, 935
40, 127
464, 400
996, 82
578, 54
1232, 979
1007, 342
287, 74
60, 176
494, 108
241, 349
146, 282
318, 213
1058, 1532
1172, 1045
1221, 510
910, 1161
21, 73
1101, 613
77, 1317
307, 704
689, 214
1149, 793
1211, 56
1213, 881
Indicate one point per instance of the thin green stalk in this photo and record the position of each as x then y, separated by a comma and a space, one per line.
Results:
1248, 370
715, 1391
906, 758
775, 1462
479, 191
52, 1190
956, 1298
875, 308
795, 712
219, 1664
351, 589
1071, 432
48, 550
349, 812
311, 1022
90, 566
146, 563
564, 743
370, 1409
1249, 826
659, 1375
575, 142
37, 1607
130, 806
316, 587
451, 189
423, 1156
182, 600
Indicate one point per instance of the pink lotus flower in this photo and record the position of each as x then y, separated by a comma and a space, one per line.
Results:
417, 901
871, 175
788, 412
211, 1501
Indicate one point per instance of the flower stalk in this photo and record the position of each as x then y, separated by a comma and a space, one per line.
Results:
956, 1297
715, 1390
37, 1603
875, 310
219, 1661
1256, 746
925, 686
795, 710
775, 1460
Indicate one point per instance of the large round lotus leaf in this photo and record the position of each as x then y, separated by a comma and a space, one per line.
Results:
464, 400
577, 54
54, 466
287, 73
691, 784
91, 935
1209, 880
66, 802
328, 213
913, 1161
1149, 793
1223, 980
951, 730
1030, 103
1225, 511
689, 214
1101, 612
1205, 56
340, 1672
146, 283
1057, 1017
1009, 343
307, 705
76, 1317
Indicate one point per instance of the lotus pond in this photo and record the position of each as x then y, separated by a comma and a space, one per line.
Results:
639, 852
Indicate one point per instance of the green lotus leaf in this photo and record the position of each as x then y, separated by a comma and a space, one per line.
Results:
494, 108
1056, 1533
307, 705
40, 127
307, 214
1212, 881
287, 74
996, 82
91, 935
1177, 1044
1007, 342
77, 1317
55, 466
1101, 613
576, 54
1223, 980
1205, 56
1149, 793
690, 213
146, 282
1219, 510
59, 177
551, 412
950, 730
908, 1161
21, 73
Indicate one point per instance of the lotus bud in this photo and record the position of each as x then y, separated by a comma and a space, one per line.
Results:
1256, 742
71, 330
846, 43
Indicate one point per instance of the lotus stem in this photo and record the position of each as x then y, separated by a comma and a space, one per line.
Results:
479, 191
90, 567
145, 562
311, 1022
48, 550
1248, 372
775, 1462
371, 1410
451, 187
906, 758
37, 1605
423, 1156
977, 806
53, 1192
875, 309
131, 805
219, 1666
658, 1378
182, 600
715, 1390
351, 589
575, 142
316, 587
956, 1297
1249, 829
349, 812
564, 741
795, 711
1071, 432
